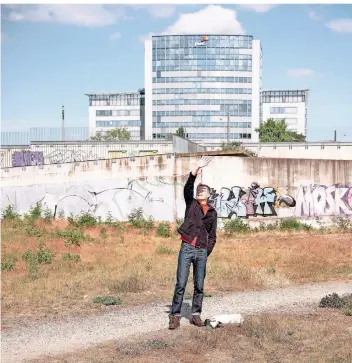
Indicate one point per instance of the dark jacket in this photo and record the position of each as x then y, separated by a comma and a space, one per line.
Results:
196, 223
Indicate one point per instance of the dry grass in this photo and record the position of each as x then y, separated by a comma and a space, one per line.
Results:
321, 337
140, 269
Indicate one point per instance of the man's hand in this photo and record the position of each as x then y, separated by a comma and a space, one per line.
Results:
204, 161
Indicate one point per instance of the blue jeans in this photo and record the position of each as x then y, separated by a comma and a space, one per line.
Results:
198, 257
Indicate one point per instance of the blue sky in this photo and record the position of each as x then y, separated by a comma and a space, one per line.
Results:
53, 54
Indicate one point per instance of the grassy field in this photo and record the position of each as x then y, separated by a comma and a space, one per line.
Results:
56, 268
323, 336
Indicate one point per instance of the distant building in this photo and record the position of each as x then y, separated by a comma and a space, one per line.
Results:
207, 84
111, 110
290, 105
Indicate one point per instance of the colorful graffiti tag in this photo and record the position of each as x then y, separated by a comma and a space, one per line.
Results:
316, 199
248, 202
27, 158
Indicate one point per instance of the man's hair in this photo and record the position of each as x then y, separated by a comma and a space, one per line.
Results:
202, 186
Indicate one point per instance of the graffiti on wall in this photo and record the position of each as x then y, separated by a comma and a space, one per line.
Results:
316, 199
243, 202
59, 156
117, 197
27, 158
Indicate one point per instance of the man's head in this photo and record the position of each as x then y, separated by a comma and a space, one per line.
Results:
202, 192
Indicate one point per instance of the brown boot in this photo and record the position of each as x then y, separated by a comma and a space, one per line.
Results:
197, 321
174, 322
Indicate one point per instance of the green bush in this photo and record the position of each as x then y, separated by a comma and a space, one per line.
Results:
33, 231
292, 224
137, 220
42, 256
107, 300
164, 229
8, 263
35, 212
72, 236
9, 213
47, 215
34, 258
83, 220
234, 226
70, 257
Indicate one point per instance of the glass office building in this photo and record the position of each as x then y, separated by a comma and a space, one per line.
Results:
290, 105
207, 84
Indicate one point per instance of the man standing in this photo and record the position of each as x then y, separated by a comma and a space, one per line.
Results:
198, 235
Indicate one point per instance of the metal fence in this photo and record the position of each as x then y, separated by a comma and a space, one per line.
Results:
39, 134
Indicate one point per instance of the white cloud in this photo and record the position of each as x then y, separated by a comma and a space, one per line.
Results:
300, 72
114, 36
340, 25
82, 15
314, 15
161, 11
213, 19
158, 11
259, 8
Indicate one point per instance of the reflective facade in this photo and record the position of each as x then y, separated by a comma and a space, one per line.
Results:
207, 84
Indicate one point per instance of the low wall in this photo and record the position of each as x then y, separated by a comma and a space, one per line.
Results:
241, 187
309, 150
68, 152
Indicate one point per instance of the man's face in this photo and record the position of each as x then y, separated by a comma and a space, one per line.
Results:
202, 193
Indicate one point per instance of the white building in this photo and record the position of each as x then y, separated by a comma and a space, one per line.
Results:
208, 84
290, 105
111, 110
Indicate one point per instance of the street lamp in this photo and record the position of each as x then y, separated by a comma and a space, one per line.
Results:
63, 123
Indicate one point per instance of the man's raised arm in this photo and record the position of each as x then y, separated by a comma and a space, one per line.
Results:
188, 191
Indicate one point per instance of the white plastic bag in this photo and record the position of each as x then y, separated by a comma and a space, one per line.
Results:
219, 320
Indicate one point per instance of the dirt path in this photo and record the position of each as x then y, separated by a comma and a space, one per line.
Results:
76, 333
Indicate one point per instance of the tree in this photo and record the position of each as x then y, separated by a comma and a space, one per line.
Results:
113, 134
236, 146
180, 132
276, 131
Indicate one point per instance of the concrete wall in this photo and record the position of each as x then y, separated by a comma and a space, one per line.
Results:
66, 152
309, 150
318, 187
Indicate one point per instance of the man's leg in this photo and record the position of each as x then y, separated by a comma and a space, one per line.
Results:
199, 272
184, 262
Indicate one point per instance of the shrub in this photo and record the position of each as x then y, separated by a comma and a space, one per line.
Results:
47, 215
292, 224
83, 220
9, 213
33, 231
35, 212
107, 300
163, 229
137, 220
233, 226
34, 258
344, 223
72, 236
70, 257
61, 214
335, 301
8, 263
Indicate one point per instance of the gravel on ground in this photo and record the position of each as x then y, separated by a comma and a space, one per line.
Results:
74, 333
